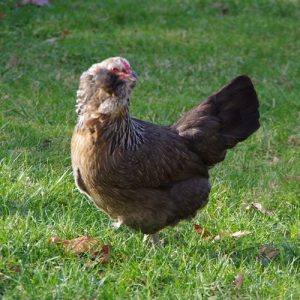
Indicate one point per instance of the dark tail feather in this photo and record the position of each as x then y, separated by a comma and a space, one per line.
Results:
237, 107
223, 120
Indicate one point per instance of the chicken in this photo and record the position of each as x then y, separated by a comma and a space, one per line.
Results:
144, 175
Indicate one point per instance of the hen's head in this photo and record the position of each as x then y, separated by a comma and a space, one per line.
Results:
105, 87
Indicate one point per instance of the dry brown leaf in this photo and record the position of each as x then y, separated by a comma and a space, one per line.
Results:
222, 7
85, 245
288, 177
64, 33
54, 240
46, 143
226, 234
267, 252
82, 244
204, 233
274, 161
240, 233
52, 41
239, 279
15, 269
222, 234
224, 10
256, 206
12, 61
2, 15
293, 140
106, 253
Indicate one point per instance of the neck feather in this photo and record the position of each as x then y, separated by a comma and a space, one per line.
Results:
110, 116
123, 133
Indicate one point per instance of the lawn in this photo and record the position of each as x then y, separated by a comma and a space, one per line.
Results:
182, 51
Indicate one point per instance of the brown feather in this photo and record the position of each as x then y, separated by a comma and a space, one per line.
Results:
146, 175
223, 120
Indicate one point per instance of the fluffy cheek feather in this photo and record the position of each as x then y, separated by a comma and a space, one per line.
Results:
110, 106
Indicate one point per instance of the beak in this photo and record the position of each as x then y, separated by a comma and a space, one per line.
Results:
133, 76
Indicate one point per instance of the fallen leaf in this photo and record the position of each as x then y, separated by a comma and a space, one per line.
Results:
274, 161
293, 140
222, 234
52, 41
256, 206
204, 233
222, 7
84, 245
224, 10
12, 61
2, 15
15, 269
34, 2
288, 177
284, 80
226, 234
267, 252
46, 143
240, 233
105, 253
239, 279
54, 240
64, 33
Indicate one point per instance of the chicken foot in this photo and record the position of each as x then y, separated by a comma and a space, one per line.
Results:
154, 237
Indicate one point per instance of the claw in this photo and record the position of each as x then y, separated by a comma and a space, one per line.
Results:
155, 239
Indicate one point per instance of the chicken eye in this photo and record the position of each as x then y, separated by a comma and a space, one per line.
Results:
115, 70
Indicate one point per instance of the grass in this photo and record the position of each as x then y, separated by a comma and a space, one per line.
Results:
183, 51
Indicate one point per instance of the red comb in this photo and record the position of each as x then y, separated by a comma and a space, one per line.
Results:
126, 66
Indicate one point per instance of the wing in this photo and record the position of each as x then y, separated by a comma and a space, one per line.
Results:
163, 158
